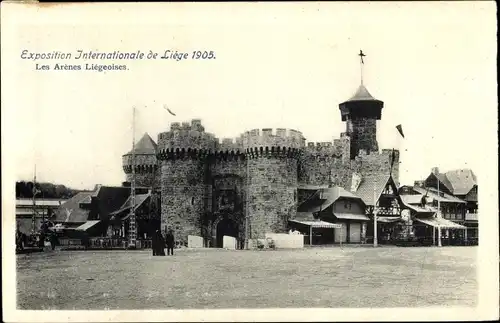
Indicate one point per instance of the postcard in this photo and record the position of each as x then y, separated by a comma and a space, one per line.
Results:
295, 161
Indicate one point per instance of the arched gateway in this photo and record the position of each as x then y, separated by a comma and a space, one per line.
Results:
225, 227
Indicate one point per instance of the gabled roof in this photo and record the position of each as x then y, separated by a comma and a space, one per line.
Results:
457, 182
70, 210
109, 199
145, 146
370, 185
461, 180
139, 200
324, 198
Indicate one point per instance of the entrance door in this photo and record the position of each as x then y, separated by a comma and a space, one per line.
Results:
355, 232
341, 234
226, 227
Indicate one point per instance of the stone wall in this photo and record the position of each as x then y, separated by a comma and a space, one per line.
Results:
272, 191
185, 177
377, 164
144, 179
182, 197
272, 178
146, 169
325, 163
186, 137
273, 138
363, 133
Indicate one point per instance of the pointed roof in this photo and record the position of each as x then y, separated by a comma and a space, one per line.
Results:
145, 146
372, 184
362, 94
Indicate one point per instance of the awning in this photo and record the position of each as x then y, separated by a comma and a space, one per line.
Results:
87, 225
388, 219
352, 216
319, 224
441, 223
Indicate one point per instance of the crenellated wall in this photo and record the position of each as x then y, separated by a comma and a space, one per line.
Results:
325, 163
272, 157
185, 177
146, 169
273, 138
186, 137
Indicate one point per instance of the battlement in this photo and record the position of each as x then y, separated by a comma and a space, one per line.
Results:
230, 145
186, 137
382, 155
195, 124
140, 160
269, 137
328, 148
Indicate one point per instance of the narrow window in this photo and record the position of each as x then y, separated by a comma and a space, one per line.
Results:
192, 200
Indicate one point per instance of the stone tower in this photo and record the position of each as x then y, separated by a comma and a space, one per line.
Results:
184, 178
146, 166
361, 113
271, 179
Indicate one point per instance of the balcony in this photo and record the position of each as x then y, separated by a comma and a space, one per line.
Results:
471, 216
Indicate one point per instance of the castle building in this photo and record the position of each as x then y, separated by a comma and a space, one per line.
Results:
251, 185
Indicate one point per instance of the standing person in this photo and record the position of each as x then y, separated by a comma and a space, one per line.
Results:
170, 243
161, 244
53, 240
154, 242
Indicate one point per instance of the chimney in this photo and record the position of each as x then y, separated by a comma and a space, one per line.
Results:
435, 170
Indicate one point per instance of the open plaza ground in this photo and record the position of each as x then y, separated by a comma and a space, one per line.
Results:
215, 278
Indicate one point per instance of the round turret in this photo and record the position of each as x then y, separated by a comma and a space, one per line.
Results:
271, 178
182, 152
361, 113
145, 162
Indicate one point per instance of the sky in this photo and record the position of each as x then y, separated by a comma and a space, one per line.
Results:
280, 65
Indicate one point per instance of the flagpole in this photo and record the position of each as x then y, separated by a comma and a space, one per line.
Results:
33, 192
439, 213
132, 235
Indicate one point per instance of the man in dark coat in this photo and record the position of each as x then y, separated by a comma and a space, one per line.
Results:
154, 243
170, 240
161, 244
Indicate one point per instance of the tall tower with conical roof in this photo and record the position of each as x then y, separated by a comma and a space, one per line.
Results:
145, 162
361, 113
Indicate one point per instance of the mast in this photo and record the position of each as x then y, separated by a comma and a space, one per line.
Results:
33, 191
132, 233
439, 213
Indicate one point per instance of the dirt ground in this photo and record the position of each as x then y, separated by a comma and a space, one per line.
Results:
214, 278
